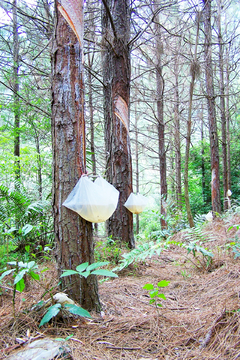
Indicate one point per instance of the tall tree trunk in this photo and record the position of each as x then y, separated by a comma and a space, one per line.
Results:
16, 91
177, 141
137, 159
215, 183
228, 125
92, 142
90, 102
204, 196
160, 121
222, 110
116, 76
194, 73
73, 234
39, 164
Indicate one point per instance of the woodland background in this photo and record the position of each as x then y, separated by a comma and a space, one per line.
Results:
183, 128
25, 100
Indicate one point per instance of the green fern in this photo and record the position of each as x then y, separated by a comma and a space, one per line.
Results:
20, 216
141, 253
196, 234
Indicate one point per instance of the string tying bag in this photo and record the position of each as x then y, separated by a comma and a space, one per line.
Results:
136, 203
94, 201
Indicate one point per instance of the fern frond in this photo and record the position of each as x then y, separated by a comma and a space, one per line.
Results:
196, 234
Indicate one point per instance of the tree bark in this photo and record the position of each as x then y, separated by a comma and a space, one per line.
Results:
177, 140
90, 102
137, 157
15, 92
194, 73
228, 125
116, 77
215, 183
73, 234
160, 122
223, 111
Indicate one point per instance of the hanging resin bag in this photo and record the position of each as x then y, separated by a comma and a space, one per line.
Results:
94, 201
136, 203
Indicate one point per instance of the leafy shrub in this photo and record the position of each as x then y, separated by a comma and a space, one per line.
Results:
108, 250
150, 221
22, 220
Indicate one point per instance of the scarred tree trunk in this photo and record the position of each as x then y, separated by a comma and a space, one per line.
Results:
73, 234
116, 76
215, 183
90, 102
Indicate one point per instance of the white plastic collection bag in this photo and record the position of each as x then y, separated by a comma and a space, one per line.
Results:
94, 201
136, 203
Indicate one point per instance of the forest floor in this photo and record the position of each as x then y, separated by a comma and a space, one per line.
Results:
199, 319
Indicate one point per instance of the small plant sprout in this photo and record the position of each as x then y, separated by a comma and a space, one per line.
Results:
85, 270
19, 271
64, 303
154, 292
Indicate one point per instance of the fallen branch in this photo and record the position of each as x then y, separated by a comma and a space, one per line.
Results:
122, 348
210, 331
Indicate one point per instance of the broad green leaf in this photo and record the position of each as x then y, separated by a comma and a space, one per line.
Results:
20, 275
160, 305
45, 269
27, 248
22, 264
153, 293
162, 296
7, 272
11, 230
69, 337
12, 263
69, 272
163, 283
20, 285
31, 265
85, 274
47, 248
96, 265
26, 229
104, 272
77, 310
82, 267
148, 287
34, 275
62, 339
151, 301
205, 252
52, 311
